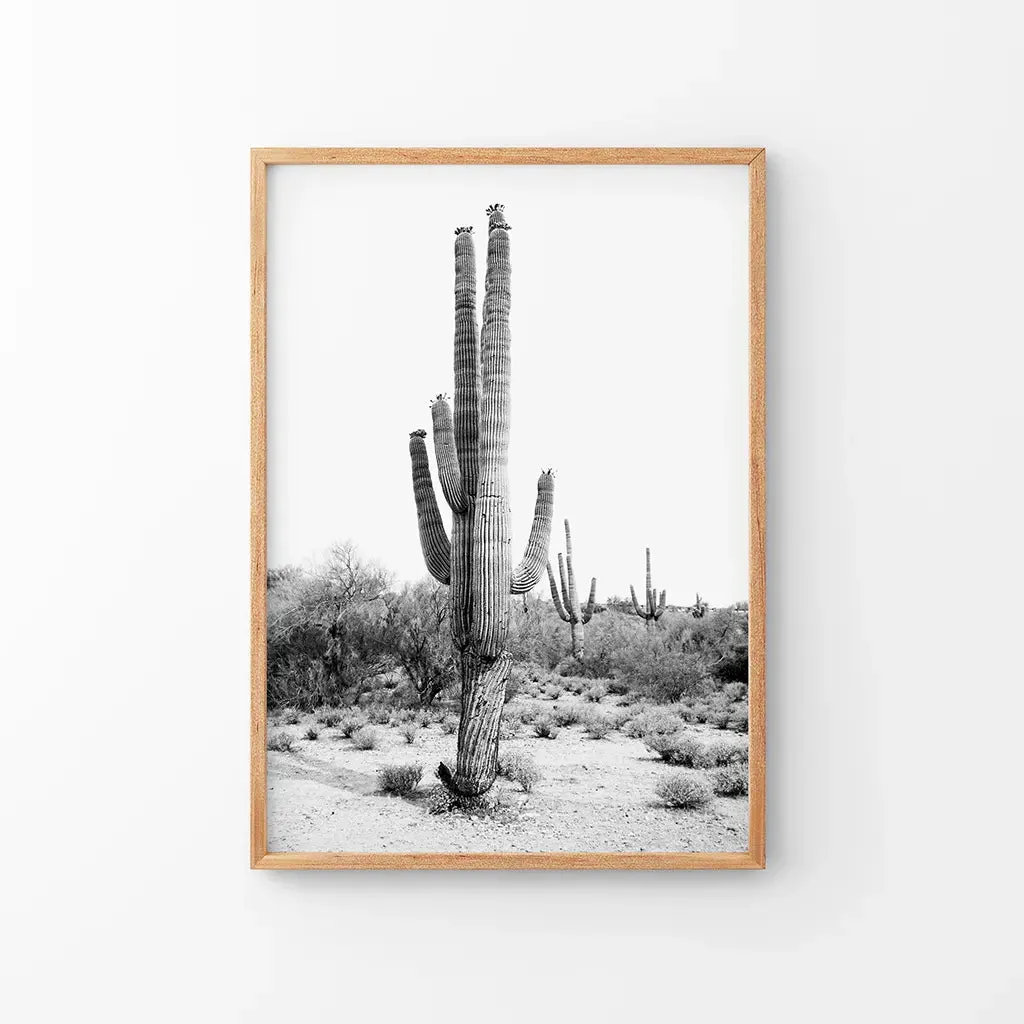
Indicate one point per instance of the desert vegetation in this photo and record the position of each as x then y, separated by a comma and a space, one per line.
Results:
363, 676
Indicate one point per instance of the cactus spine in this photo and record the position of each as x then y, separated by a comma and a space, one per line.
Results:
651, 611
567, 605
471, 449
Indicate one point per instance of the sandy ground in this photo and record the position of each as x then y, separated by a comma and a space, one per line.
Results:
594, 795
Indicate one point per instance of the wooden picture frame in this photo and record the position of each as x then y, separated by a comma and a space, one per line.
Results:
754, 856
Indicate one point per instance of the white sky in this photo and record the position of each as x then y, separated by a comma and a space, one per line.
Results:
629, 360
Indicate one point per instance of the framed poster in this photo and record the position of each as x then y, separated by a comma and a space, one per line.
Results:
508, 565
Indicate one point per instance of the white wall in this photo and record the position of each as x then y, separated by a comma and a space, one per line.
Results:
893, 891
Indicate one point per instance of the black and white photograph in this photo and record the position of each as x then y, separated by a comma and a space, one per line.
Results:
507, 605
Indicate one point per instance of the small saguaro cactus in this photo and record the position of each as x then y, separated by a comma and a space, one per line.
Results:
654, 608
699, 608
471, 449
567, 605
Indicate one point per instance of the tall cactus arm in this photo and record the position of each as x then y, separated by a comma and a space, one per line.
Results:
526, 574
565, 588
492, 566
571, 599
467, 361
447, 459
555, 599
588, 611
495, 346
636, 603
661, 607
433, 538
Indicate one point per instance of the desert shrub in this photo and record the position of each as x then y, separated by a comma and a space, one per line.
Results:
279, 741
739, 720
569, 681
719, 719
378, 714
546, 727
619, 687
686, 789
518, 766
512, 716
399, 778
312, 733
619, 717
329, 717
528, 712
653, 721
366, 738
725, 751
409, 732
597, 724
450, 724
350, 723
292, 717
675, 748
552, 691
596, 693
730, 780
735, 691
565, 714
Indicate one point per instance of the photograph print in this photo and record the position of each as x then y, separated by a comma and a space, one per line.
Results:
507, 521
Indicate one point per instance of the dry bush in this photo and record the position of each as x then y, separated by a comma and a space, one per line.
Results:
565, 714
279, 741
378, 714
723, 751
675, 748
366, 738
450, 724
597, 724
328, 717
546, 727
730, 780
292, 717
596, 693
400, 778
351, 723
686, 789
552, 691
529, 712
518, 766
655, 720
409, 732
739, 720
312, 733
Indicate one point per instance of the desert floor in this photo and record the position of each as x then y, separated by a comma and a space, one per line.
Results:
594, 795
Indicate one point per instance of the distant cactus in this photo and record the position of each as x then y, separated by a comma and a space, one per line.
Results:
568, 606
472, 460
699, 608
654, 608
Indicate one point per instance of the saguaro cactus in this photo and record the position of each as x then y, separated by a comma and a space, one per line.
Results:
471, 449
699, 608
567, 605
651, 611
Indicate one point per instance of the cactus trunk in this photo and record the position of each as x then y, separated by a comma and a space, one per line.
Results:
471, 449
